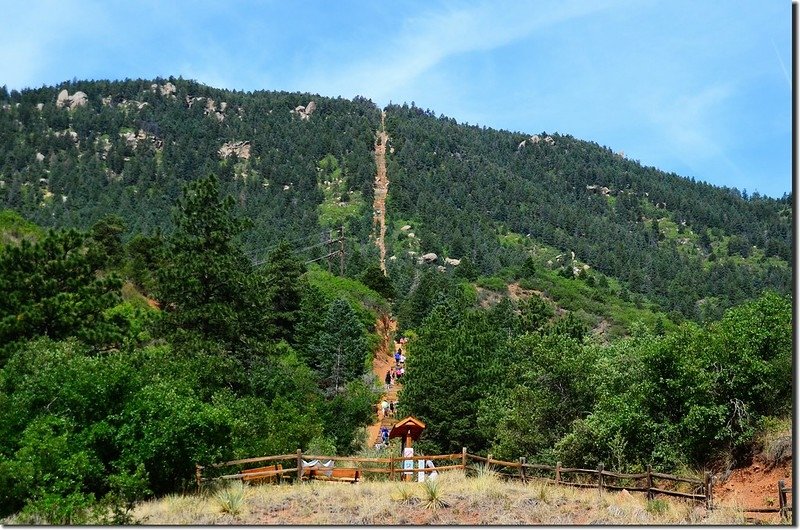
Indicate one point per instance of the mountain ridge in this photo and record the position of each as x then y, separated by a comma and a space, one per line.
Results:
298, 163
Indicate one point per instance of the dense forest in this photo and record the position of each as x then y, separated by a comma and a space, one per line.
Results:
160, 302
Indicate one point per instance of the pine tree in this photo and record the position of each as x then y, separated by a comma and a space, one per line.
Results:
52, 288
204, 285
340, 350
281, 277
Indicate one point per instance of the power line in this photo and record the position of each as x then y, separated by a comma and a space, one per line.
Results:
328, 243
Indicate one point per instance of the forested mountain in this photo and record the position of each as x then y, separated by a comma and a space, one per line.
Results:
163, 302
128, 147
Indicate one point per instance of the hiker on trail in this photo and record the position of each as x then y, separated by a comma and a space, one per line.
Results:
397, 355
388, 379
385, 407
402, 359
391, 409
384, 434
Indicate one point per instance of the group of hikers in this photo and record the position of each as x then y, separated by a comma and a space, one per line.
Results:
388, 408
397, 371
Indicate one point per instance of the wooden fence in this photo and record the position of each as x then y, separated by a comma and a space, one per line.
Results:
784, 507
650, 483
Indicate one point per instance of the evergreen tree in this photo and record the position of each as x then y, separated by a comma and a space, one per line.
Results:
281, 278
340, 351
53, 288
204, 285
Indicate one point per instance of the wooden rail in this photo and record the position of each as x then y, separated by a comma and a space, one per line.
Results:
783, 504
596, 478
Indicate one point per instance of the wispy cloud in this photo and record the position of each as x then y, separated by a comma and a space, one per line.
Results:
783, 66
426, 40
688, 126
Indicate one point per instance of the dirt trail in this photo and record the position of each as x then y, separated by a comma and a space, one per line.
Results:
382, 363
381, 189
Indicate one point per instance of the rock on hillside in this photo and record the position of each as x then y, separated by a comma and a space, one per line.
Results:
78, 99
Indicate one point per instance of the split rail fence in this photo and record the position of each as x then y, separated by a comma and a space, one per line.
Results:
784, 507
651, 483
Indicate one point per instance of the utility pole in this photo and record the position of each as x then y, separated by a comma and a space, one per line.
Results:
341, 250
328, 250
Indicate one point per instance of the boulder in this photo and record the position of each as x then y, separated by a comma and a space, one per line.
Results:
405, 228
62, 100
78, 99
168, 89
452, 261
39, 157
430, 257
521, 145
549, 140
239, 149
535, 139
39, 106
305, 111
441, 268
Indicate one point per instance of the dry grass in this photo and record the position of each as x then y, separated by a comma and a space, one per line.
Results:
483, 499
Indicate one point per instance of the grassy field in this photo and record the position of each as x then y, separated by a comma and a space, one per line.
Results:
451, 499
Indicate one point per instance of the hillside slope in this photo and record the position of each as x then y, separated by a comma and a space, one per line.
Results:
300, 164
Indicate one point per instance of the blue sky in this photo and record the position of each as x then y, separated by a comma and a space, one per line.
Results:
701, 88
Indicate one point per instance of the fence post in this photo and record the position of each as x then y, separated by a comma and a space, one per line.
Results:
299, 465
391, 467
464, 459
781, 500
600, 477
709, 485
198, 474
558, 473
488, 459
649, 482
522, 469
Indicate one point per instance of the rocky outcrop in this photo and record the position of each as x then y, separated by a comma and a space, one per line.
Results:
78, 99
305, 111
39, 157
168, 89
239, 149
430, 257
452, 261
72, 135
39, 106
210, 108
133, 140
535, 139
599, 190
406, 228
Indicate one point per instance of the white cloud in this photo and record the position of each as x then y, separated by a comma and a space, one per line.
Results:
426, 40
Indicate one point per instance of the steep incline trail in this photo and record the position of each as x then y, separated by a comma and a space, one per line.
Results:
381, 189
382, 363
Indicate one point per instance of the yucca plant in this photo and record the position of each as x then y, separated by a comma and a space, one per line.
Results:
231, 499
433, 495
543, 494
405, 495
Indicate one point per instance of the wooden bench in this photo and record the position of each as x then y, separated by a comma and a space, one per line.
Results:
339, 474
262, 474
